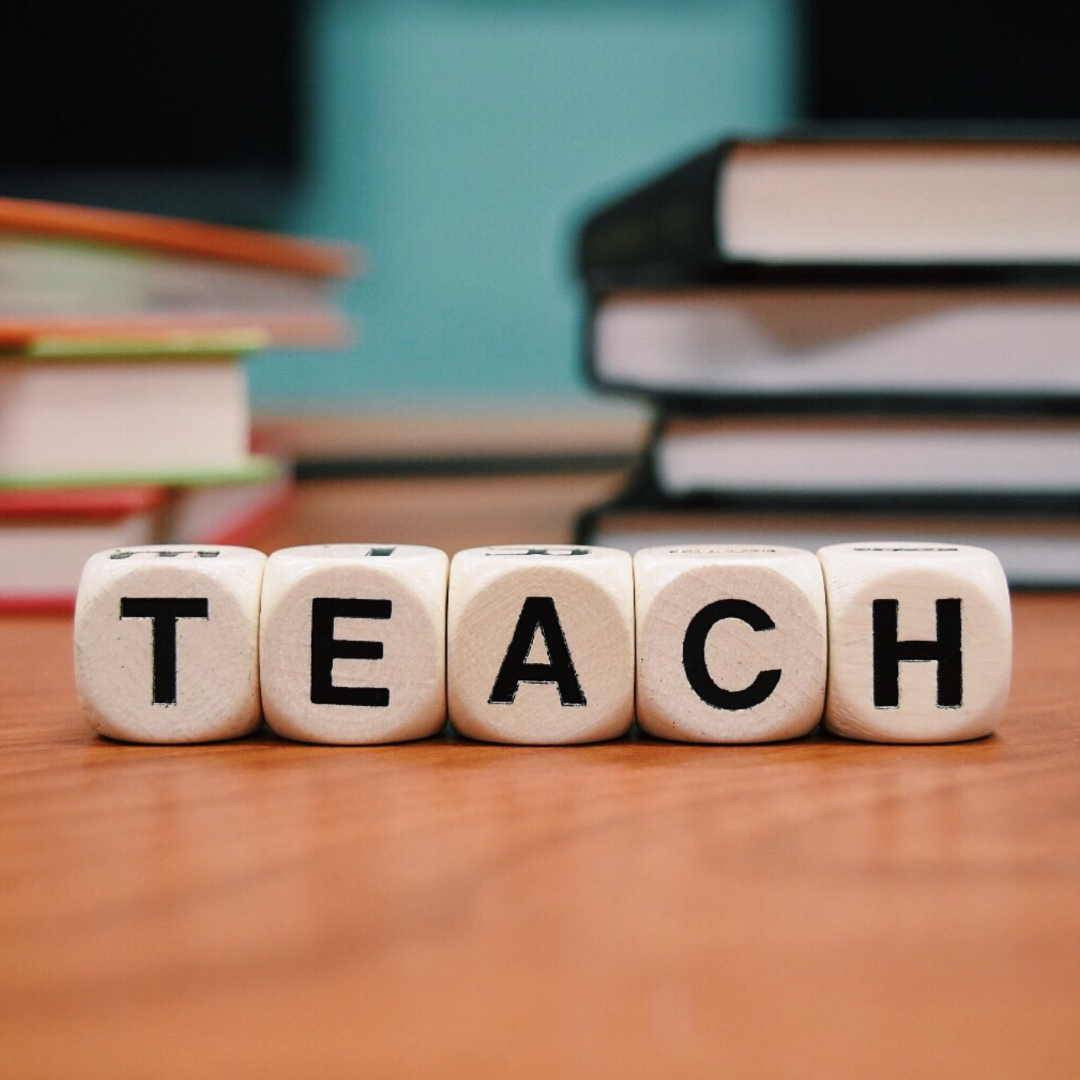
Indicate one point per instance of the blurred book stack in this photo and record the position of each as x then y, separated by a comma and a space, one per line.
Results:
847, 339
124, 409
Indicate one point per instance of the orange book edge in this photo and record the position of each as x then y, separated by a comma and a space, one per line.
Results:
174, 235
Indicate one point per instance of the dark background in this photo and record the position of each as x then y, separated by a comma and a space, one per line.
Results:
993, 61
458, 141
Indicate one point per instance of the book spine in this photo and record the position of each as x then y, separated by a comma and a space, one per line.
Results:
855, 403
586, 526
666, 230
668, 234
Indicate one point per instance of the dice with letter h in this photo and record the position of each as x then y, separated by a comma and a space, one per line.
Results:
360, 643
920, 641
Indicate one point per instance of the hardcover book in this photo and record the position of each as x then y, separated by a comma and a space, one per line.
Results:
74, 269
885, 458
1036, 539
817, 348
159, 409
746, 210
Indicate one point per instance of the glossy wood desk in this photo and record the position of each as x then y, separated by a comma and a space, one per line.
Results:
263, 909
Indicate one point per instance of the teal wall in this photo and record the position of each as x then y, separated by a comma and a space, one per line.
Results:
456, 140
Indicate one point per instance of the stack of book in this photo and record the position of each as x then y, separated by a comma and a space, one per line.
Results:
849, 339
124, 407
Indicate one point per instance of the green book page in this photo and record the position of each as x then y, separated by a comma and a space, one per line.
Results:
256, 467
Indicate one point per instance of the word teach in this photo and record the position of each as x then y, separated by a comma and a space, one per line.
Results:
375, 643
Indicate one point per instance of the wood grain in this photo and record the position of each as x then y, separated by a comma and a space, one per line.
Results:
264, 909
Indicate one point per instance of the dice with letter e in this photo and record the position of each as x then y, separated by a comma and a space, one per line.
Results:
353, 642
166, 643
920, 639
731, 643
540, 644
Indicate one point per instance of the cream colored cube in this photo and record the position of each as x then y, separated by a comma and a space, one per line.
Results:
353, 642
167, 643
731, 643
920, 639
540, 644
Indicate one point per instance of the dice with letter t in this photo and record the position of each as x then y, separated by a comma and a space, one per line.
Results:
920, 641
731, 643
353, 642
540, 644
166, 643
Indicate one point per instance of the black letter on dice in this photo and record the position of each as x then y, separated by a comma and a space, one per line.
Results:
163, 611
694, 656
325, 649
889, 654
560, 550
537, 613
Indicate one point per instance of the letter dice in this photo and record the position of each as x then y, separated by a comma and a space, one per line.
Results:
920, 641
353, 642
166, 643
540, 644
731, 643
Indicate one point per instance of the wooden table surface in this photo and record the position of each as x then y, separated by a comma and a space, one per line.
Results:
263, 909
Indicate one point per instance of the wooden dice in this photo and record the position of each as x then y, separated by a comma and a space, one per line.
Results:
353, 642
166, 643
920, 639
361, 643
540, 644
731, 643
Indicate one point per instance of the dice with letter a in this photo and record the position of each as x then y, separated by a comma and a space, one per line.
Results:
166, 643
540, 644
353, 642
731, 643
920, 639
